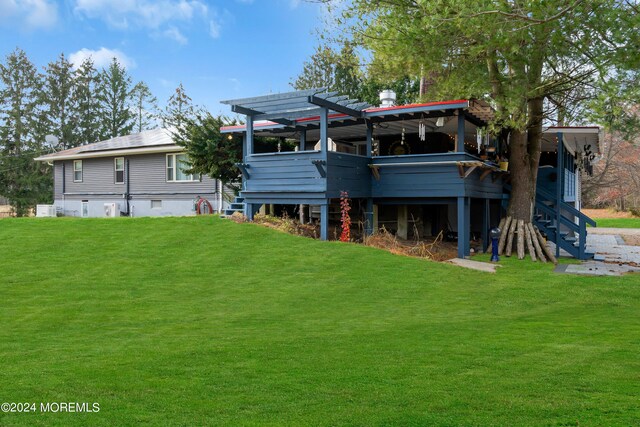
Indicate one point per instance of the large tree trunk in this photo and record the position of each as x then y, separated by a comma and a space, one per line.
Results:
524, 159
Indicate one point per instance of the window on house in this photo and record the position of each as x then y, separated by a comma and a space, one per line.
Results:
77, 171
156, 204
85, 209
176, 165
118, 167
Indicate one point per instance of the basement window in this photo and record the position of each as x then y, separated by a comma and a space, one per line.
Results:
156, 204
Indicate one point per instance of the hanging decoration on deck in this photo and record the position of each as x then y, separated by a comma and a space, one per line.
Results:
422, 130
482, 138
400, 148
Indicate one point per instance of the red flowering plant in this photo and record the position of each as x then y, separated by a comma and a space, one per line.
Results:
345, 218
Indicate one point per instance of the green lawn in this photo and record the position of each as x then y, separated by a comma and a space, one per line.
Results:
193, 321
618, 222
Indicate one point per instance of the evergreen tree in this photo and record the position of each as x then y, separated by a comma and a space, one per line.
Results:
59, 116
22, 180
86, 103
319, 71
209, 151
114, 94
179, 109
341, 72
145, 105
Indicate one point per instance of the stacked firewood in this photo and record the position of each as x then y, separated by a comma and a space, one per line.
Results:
525, 234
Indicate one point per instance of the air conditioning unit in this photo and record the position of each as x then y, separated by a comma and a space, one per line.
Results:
111, 210
45, 211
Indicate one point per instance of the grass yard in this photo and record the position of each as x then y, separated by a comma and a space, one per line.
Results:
194, 321
619, 222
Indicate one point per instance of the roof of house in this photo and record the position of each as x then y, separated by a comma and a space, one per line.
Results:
150, 141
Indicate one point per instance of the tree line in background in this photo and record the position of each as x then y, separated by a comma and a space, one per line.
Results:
64, 107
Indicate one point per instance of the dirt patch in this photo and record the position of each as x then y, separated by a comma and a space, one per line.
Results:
430, 248
631, 240
606, 213
288, 225
433, 248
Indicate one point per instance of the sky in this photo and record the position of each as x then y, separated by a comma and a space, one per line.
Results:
218, 49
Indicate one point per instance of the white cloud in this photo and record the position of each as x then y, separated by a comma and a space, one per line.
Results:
141, 13
29, 14
214, 28
175, 34
101, 57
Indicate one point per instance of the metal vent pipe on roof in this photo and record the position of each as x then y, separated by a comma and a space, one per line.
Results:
387, 98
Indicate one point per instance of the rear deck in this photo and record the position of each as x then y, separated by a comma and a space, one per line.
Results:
420, 154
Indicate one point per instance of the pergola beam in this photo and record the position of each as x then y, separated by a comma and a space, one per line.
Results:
274, 97
340, 108
243, 110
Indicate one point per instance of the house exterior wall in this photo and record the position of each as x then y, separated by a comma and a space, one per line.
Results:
147, 182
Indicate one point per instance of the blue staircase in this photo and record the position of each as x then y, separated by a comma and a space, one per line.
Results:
572, 233
571, 236
236, 206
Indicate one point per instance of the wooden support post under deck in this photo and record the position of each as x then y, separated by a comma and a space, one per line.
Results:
368, 220
303, 141
486, 223
302, 217
324, 221
250, 210
403, 222
375, 219
460, 138
464, 250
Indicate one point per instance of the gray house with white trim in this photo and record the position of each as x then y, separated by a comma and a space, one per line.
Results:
135, 175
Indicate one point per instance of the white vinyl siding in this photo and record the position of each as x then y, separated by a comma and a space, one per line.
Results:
77, 171
118, 170
176, 164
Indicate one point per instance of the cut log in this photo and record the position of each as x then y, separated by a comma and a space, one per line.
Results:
521, 238
536, 243
512, 232
529, 239
503, 237
545, 248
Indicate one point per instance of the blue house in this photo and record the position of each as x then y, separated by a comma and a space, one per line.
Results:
419, 168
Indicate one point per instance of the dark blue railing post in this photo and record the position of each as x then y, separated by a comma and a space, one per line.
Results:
303, 140
583, 237
460, 139
369, 139
559, 189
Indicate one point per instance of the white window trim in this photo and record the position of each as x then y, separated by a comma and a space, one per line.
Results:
75, 162
194, 178
115, 170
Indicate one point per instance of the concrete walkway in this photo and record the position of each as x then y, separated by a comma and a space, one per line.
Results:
475, 265
613, 257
